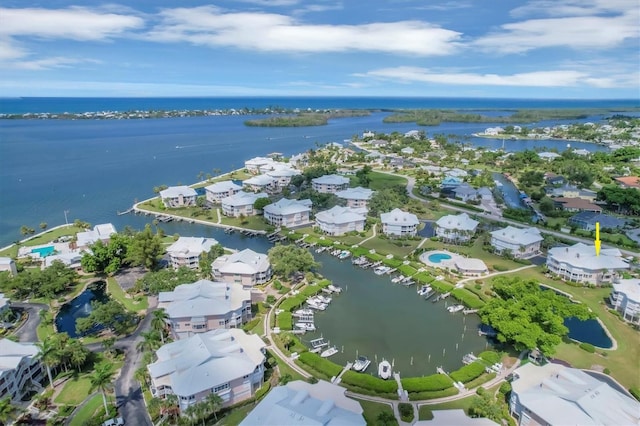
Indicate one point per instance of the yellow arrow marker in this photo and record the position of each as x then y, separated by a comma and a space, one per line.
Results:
597, 242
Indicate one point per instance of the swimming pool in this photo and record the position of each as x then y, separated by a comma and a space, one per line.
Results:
44, 251
438, 257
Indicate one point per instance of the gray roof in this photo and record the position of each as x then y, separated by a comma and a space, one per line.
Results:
460, 222
331, 180
357, 193
568, 396
397, 216
283, 172
605, 220
260, 180
630, 287
223, 186
242, 199
465, 189
246, 261
203, 298
583, 256
302, 403
285, 206
207, 360
99, 232
11, 353
521, 236
191, 246
177, 191
340, 215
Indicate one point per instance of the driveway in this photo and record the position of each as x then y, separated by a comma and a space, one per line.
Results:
27, 332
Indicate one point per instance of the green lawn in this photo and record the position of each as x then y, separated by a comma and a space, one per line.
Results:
74, 391
476, 251
47, 237
391, 246
88, 411
383, 180
140, 303
250, 222
373, 409
236, 416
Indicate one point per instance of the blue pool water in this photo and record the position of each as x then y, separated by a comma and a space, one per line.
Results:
438, 257
44, 251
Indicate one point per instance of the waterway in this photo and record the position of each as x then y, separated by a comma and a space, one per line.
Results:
80, 307
509, 191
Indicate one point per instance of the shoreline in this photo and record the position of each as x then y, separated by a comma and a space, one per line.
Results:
523, 138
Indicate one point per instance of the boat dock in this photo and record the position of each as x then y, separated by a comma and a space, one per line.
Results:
129, 210
402, 394
469, 311
338, 378
442, 296
440, 370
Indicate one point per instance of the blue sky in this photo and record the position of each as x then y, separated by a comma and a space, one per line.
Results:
452, 48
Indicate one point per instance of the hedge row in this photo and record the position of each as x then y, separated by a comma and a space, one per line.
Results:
315, 373
320, 364
417, 396
364, 391
490, 356
372, 383
468, 373
285, 321
266, 387
441, 286
434, 382
467, 298
484, 378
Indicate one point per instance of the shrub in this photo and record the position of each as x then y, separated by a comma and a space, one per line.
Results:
490, 356
417, 396
434, 382
366, 381
319, 364
606, 371
248, 326
406, 411
588, 347
505, 388
262, 391
500, 268
468, 372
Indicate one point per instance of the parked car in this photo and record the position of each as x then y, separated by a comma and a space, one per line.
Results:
116, 421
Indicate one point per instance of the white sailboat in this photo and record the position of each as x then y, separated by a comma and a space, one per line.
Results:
384, 369
328, 352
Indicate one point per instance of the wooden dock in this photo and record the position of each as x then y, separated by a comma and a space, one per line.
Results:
336, 380
469, 311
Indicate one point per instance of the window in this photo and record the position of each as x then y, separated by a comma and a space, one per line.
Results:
220, 388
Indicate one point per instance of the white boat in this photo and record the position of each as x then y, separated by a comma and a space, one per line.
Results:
302, 312
384, 369
397, 279
323, 299
334, 288
361, 364
381, 270
425, 289
306, 326
317, 344
315, 304
328, 352
344, 254
320, 249
455, 308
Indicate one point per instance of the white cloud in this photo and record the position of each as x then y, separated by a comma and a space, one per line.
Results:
556, 78
272, 3
573, 7
268, 32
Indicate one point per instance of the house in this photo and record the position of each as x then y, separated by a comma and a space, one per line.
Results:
450, 182
485, 193
556, 395
625, 298
629, 181
283, 175
329, 184
245, 267
253, 165
456, 228
71, 259
356, 197
407, 150
416, 134
458, 173
229, 363
398, 223
219, 190
188, 251
378, 143
554, 179
241, 204
576, 205
205, 305
571, 191
20, 369
334, 145
340, 220
587, 220
465, 192
302, 403
548, 156
368, 134
289, 213
261, 183
100, 232
299, 160
8, 264
493, 131
520, 242
579, 263
179, 196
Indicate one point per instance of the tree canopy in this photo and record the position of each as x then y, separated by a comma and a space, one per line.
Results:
111, 315
107, 258
289, 259
48, 282
527, 316
146, 249
166, 279
387, 199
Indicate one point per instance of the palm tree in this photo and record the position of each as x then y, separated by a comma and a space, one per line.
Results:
150, 342
159, 322
6, 410
169, 406
101, 379
214, 403
108, 343
49, 355
141, 376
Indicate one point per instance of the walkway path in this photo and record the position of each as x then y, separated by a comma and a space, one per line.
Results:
344, 370
511, 271
401, 392
372, 236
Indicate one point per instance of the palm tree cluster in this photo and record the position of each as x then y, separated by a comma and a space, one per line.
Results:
60, 350
202, 410
102, 380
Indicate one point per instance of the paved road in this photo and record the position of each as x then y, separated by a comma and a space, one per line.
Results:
27, 331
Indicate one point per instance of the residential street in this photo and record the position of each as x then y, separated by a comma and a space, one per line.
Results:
27, 332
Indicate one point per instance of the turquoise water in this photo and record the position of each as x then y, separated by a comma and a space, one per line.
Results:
44, 251
438, 257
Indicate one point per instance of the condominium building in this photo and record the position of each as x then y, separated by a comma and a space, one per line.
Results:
398, 223
519, 242
329, 184
580, 263
20, 369
245, 267
625, 298
179, 196
456, 228
188, 251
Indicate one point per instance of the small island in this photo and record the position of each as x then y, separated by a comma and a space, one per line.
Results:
305, 119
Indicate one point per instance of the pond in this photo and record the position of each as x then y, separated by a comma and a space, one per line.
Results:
80, 307
589, 331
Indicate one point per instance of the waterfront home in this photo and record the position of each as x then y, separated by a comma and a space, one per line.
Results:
289, 213
187, 251
100, 232
356, 197
548, 156
576, 205
205, 305
283, 175
465, 192
456, 228
20, 369
368, 134
582, 152
556, 395
416, 134
450, 182
587, 220
229, 363
219, 190
493, 131
398, 223
179, 196
339, 220
571, 191
245, 267
629, 181
407, 150
379, 143
261, 183
70, 259
485, 193
300, 402
8, 264
625, 298
579, 263
299, 160
241, 204
253, 165
329, 184
434, 170
518, 242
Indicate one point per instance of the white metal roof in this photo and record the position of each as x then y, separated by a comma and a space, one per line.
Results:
203, 298
583, 256
461, 222
398, 217
330, 180
223, 186
242, 199
357, 193
177, 191
285, 206
190, 246
630, 287
11, 353
340, 215
513, 235
246, 261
